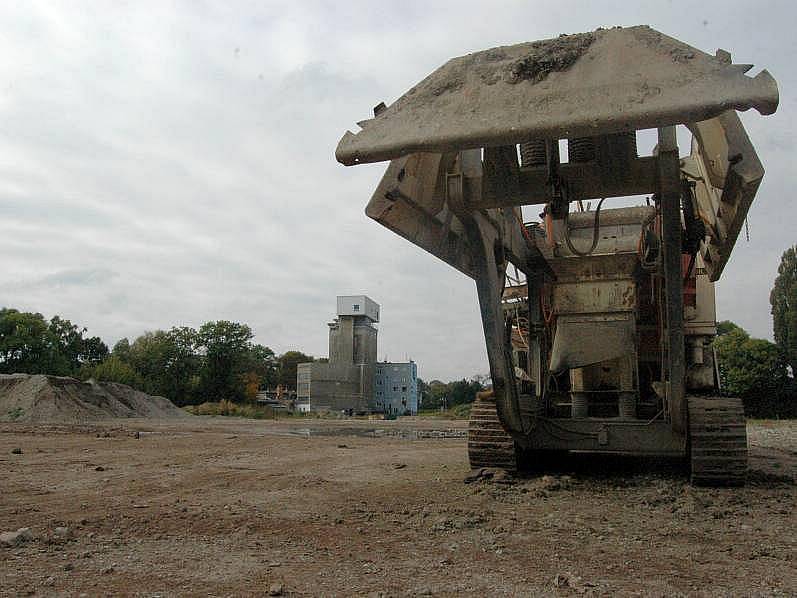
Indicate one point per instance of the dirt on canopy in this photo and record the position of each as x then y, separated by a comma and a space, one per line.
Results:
55, 399
548, 56
532, 61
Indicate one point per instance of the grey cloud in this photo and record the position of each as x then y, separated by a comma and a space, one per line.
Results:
76, 277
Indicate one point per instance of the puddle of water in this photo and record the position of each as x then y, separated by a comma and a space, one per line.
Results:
372, 433
307, 432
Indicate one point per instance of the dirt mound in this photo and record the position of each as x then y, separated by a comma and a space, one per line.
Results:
39, 398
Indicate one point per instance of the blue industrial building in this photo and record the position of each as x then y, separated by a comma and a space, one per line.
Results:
396, 388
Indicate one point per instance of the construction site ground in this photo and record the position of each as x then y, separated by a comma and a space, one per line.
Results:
230, 507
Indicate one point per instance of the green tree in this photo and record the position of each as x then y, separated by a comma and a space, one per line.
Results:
726, 326
94, 351
217, 362
183, 366
287, 367
122, 350
113, 369
459, 392
754, 370
262, 362
226, 348
783, 300
424, 394
30, 344
148, 356
463, 391
437, 395
23, 341
168, 364
65, 341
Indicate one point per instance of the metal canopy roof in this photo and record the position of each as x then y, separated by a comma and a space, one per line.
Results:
584, 84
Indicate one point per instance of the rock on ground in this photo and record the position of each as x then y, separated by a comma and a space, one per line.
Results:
17, 538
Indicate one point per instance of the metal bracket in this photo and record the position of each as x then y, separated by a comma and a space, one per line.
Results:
455, 191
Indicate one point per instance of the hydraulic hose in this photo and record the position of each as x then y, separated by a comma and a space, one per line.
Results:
595, 231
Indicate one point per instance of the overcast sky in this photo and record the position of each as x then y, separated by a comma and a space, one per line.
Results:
172, 163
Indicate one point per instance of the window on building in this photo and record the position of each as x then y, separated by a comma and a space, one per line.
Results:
355, 307
395, 389
403, 389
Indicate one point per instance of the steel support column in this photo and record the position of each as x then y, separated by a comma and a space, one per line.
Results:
489, 260
490, 266
670, 198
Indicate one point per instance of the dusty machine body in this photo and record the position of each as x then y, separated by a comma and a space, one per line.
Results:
598, 320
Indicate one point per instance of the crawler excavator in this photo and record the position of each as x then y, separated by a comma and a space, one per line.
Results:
598, 319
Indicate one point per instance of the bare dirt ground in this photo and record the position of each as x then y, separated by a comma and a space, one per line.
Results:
227, 507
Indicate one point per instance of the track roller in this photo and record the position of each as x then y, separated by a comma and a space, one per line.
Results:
717, 441
489, 445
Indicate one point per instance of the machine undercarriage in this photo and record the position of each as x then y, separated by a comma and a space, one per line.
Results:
598, 319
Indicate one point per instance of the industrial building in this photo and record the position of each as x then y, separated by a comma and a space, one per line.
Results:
352, 380
396, 387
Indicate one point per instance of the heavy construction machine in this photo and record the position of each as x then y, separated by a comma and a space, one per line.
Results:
598, 320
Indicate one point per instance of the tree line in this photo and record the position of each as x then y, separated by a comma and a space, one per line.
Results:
436, 394
755, 370
31, 344
186, 365
758, 371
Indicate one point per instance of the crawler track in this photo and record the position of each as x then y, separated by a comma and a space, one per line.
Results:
489, 445
718, 441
